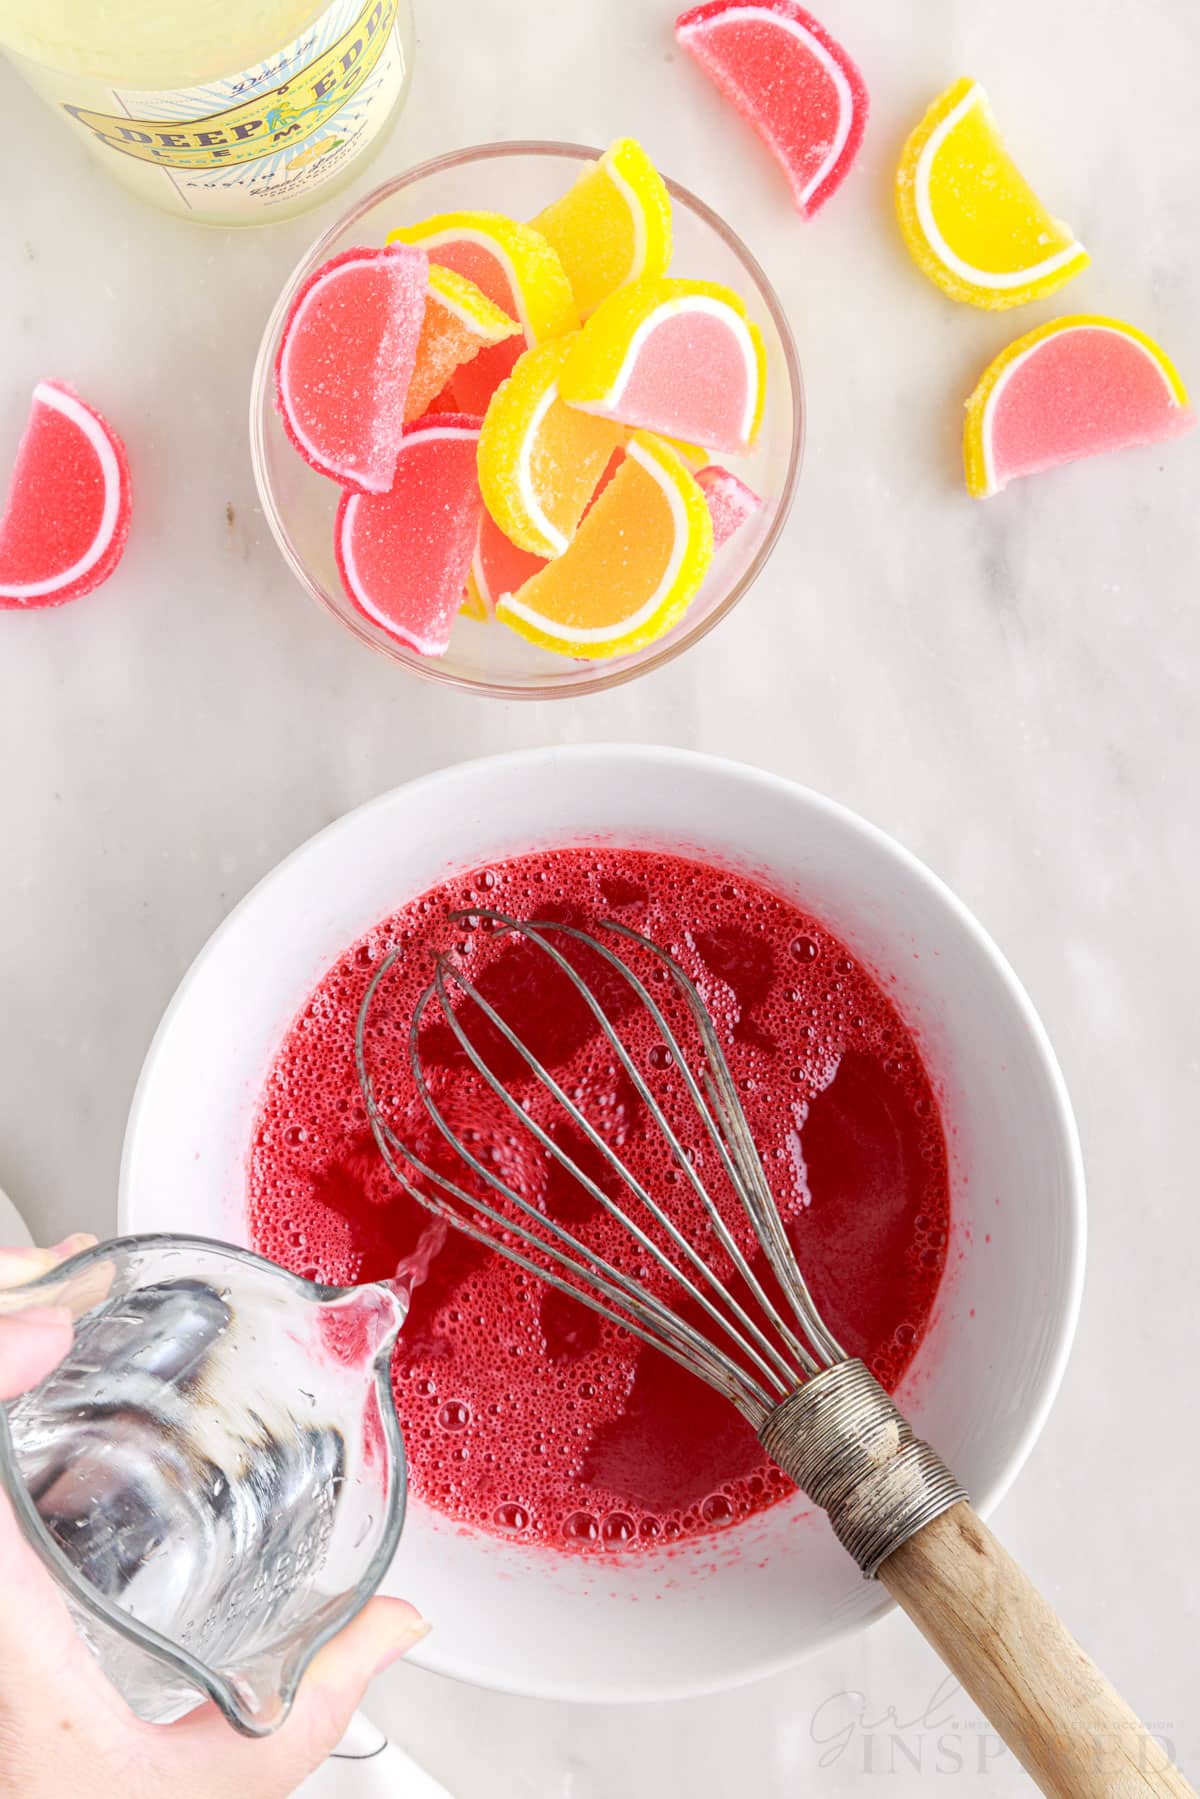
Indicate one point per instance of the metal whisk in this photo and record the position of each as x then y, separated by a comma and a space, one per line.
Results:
820, 1414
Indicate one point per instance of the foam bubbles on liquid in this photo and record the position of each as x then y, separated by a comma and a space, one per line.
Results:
524, 1413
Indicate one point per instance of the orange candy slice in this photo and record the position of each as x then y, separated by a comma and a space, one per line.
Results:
459, 322
633, 567
514, 266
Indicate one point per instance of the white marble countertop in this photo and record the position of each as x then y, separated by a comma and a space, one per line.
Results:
1009, 689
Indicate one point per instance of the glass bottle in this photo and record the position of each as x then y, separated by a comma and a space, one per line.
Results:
231, 112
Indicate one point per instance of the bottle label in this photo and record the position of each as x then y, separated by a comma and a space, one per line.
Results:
242, 145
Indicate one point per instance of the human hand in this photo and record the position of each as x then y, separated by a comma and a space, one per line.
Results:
65, 1730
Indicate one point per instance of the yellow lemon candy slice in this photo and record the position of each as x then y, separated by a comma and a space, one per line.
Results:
969, 217
633, 567
679, 358
612, 226
539, 459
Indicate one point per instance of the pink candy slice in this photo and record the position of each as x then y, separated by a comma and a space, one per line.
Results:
1079, 393
730, 502
67, 517
346, 358
693, 379
791, 80
404, 555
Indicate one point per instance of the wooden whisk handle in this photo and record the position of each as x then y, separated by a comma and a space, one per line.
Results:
1012, 1653
898, 1510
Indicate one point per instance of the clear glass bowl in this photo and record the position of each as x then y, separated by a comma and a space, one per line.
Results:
519, 179
214, 1475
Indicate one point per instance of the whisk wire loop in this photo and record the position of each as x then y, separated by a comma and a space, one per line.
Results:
751, 1184
632, 1291
783, 1376
761, 1362
634, 1307
750, 1401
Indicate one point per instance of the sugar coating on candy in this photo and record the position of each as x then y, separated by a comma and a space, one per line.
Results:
498, 566
730, 501
613, 224
66, 519
1077, 387
346, 358
514, 266
970, 219
791, 80
632, 568
540, 459
679, 358
459, 322
404, 555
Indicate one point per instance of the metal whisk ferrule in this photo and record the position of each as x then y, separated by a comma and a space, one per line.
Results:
842, 1440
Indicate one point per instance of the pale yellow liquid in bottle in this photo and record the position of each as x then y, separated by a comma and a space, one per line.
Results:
228, 111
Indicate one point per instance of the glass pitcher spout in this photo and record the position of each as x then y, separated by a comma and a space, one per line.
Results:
215, 1475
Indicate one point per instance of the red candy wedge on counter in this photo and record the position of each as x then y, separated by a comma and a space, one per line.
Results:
791, 80
67, 517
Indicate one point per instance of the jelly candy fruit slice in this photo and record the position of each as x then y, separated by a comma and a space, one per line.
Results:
345, 360
66, 520
791, 80
404, 555
1076, 387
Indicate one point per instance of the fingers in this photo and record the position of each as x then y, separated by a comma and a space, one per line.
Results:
329, 1695
81, 1290
30, 1346
340, 1673
384, 1630
17, 1266
34, 1340
32, 1343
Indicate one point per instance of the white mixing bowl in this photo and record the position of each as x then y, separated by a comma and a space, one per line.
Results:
754, 1598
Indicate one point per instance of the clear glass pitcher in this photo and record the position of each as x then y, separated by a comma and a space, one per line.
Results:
215, 1475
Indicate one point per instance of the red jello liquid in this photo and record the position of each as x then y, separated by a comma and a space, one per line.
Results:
524, 1414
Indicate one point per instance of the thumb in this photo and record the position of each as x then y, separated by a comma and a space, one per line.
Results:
340, 1673
332, 1688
